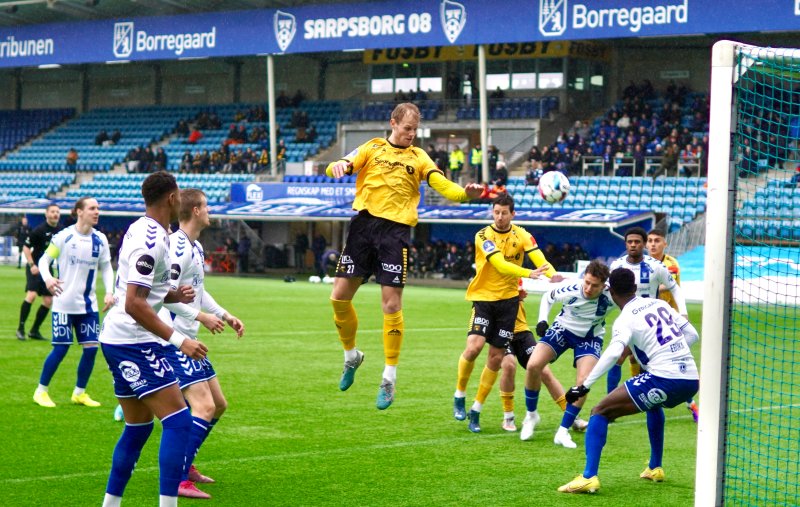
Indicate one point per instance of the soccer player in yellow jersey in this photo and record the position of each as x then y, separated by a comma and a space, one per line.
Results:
656, 244
499, 252
389, 174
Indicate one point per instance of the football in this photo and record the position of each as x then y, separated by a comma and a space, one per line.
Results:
553, 186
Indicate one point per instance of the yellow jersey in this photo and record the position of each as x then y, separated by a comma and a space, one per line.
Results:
521, 324
388, 179
675, 270
489, 284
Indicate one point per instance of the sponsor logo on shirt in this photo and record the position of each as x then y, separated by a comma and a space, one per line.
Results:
145, 264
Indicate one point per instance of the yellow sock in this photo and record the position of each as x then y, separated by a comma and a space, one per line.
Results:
508, 401
488, 378
635, 369
346, 320
561, 402
393, 328
464, 372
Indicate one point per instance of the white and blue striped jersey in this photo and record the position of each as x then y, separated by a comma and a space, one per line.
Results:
79, 258
188, 268
657, 336
580, 316
143, 260
650, 274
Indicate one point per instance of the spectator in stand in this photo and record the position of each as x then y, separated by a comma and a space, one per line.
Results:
311, 134
638, 160
132, 160
793, 182
160, 162
451, 262
427, 260
476, 161
669, 162
688, 161
497, 95
532, 177
72, 160
298, 98
214, 121
535, 157
456, 163
101, 137
283, 101
579, 253
501, 174
263, 161
182, 128
281, 156
493, 156
186, 162
194, 136
567, 258
115, 136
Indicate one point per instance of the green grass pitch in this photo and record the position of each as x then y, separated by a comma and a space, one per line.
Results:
290, 437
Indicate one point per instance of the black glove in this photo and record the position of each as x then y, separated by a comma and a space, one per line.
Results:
575, 393
541, 328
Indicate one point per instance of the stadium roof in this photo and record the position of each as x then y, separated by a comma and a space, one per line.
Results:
31, 12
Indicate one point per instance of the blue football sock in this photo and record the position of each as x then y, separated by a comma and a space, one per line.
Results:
596, 435
531, 399
85, 366
172, 453
197, 435
655, 430
570, 414
613, 378
126, 453
51, 363
211, 425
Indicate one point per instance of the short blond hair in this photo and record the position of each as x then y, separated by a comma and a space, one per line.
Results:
191, 198
402, 110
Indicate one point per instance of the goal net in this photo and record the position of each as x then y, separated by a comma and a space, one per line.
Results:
748, 450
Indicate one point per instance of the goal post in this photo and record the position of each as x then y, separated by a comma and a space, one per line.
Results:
747, 441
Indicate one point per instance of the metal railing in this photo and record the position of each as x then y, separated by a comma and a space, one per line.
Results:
594, 165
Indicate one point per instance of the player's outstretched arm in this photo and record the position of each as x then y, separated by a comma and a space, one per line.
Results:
453, 191
339, 168
606, 361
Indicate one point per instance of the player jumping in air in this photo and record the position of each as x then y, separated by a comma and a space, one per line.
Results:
389, 174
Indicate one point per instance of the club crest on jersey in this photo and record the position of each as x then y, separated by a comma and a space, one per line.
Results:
552, 17
454, 17
123, 39
488, 246
129, 370
285, 29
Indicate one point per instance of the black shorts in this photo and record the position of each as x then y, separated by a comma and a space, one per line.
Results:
376, 246
522, 346
494, 320
35, 283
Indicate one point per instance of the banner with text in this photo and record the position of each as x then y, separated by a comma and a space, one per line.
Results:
424, 23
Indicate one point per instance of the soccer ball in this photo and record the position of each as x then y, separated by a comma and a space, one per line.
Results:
553, 186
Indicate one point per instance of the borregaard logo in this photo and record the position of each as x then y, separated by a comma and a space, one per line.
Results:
123, 39
552, 17
454, 17
285, 29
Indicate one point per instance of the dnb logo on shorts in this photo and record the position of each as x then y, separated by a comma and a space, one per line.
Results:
488, 246
392, 268
145, 264
454, 17
129, 371
656, 396
285, 29
552, 17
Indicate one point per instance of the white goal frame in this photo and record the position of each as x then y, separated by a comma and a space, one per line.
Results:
718, 283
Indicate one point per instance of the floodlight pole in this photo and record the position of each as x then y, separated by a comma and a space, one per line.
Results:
273, 134
483, 104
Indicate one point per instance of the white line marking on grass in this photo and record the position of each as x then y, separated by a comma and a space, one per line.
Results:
354, 450
408, 330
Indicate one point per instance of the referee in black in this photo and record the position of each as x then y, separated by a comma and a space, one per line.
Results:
35, 245
23, 230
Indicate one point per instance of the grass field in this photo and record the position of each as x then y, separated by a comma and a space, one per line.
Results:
290, 437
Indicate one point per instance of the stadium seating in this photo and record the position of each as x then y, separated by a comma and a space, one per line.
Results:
512, 108
129, 186
17, 127
682, 199
26, 185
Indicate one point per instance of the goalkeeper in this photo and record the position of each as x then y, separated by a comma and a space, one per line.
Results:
389, 173
660, 339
